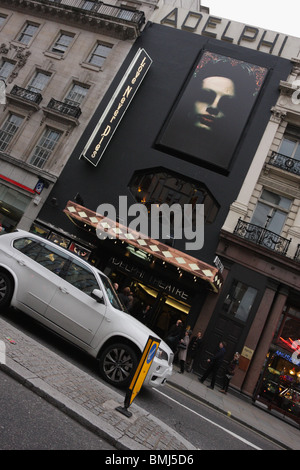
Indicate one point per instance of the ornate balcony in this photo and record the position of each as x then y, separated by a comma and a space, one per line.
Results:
297, 254
101, 17
261, 236
285, 163
24, 98
62, 112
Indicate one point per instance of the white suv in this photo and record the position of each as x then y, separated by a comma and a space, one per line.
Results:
77, 301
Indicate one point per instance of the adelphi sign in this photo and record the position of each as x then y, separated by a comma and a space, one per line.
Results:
230, 31
117, 107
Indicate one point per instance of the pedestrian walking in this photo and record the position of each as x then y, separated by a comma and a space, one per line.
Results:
230, 371
214, 365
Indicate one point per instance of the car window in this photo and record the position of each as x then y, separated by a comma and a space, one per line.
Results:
113, 298
28, 246
52, 259
81, 277
46, 255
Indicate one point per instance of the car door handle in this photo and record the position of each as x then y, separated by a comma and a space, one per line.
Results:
21, 262
64, 290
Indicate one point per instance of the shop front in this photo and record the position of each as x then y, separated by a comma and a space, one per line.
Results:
164, 284
279, 384
13, 204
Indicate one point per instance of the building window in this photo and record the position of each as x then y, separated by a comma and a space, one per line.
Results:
76, 94
287, 334
45, 148
9, 129
6, 69
164, 187
88, 5
290, 148
38, 82
239, 300
100, 54
271, 211
2, 20
62, 43
27, 33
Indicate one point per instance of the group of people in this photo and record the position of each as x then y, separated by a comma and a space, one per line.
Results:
133, 305
186, 347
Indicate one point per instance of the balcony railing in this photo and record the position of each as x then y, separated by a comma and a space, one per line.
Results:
297, 254
285, 163
26, 94
64, 108
262, 236
123, 21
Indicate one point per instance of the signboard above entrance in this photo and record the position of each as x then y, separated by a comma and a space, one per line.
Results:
117, 107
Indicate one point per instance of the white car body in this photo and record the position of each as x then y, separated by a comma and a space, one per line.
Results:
76, 301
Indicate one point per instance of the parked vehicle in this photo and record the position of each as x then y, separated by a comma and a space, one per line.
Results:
77, 301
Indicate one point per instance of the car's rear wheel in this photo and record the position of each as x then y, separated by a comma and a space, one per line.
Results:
6, 289
117, 364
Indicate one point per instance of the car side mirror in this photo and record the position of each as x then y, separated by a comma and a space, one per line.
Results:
97, 294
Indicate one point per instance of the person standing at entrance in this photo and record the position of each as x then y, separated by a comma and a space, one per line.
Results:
193, 349
182, 350
174, 335
214, 365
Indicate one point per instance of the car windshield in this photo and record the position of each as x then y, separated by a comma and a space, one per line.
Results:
113, 298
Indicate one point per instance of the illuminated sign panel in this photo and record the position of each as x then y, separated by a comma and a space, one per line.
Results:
117, 107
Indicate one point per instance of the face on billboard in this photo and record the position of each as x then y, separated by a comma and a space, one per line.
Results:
208, 120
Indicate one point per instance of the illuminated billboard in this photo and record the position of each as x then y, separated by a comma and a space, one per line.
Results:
208, 120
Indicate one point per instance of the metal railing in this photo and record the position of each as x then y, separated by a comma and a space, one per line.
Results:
64, 108
262, 236
100, 9
285, 163
26, 94
297, 254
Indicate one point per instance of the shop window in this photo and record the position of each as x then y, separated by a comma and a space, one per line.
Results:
239, 300
45, 148
164, 187
12, 207
9, 128
271, 211
288, 330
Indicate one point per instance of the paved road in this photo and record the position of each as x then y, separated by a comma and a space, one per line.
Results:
28, 422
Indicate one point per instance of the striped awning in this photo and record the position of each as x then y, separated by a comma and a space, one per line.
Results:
151, 246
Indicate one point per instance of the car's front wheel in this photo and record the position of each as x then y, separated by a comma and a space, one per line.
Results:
6, 289
117, 364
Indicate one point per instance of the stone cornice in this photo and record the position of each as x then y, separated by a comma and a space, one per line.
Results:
107, 19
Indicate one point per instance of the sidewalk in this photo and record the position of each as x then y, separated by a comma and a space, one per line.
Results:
94, 404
